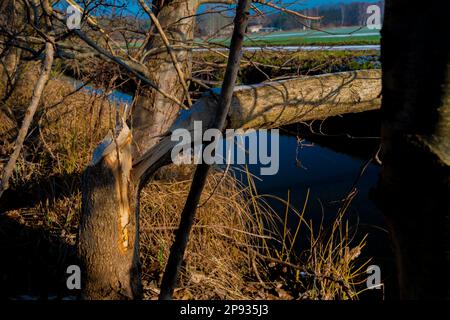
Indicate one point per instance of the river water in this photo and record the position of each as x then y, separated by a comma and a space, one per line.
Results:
328, 171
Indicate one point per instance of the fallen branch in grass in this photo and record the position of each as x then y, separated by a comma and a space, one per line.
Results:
31, 110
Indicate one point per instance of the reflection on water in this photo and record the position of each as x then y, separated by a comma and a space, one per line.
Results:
329, 175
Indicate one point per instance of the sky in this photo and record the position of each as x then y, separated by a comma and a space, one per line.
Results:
299, 4
132, 6
293, 4
313, 3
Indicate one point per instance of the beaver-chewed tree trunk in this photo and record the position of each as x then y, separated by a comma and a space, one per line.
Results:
414, 187
108, 238
104, 202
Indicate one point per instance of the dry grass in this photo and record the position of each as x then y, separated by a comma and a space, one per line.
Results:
327, 268
68, 125
331, 262
216, 265
238, 251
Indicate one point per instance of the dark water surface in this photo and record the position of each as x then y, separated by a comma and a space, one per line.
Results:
329, 168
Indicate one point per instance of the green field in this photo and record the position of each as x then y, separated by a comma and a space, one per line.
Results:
332, 36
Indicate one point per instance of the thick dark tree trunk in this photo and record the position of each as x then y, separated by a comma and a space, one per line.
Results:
414, 186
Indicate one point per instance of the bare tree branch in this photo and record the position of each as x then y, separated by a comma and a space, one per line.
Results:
295, 13
187, 216
37, 93
124, 65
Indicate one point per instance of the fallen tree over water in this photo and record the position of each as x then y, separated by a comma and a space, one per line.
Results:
111, 206
274, 104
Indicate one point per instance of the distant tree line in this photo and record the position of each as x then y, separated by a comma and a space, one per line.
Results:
336, 15
213, 22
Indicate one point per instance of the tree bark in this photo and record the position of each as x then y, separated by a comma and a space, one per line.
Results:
9, 66
414, 185
108, 244
274, 104
153, 114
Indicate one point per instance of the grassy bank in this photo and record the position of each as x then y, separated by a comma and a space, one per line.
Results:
319, 37
264, 65
302, 41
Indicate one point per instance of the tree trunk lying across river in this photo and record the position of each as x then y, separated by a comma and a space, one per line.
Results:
111, 205
273, 104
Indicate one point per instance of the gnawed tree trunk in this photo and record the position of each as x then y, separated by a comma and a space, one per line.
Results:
108, 242
108, 239
414, 187
111, 187
110, 213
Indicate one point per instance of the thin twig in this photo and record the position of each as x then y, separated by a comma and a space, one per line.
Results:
124, 65
295, 13
178, 248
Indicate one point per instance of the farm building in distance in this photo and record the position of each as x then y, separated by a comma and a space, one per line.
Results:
260, 28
